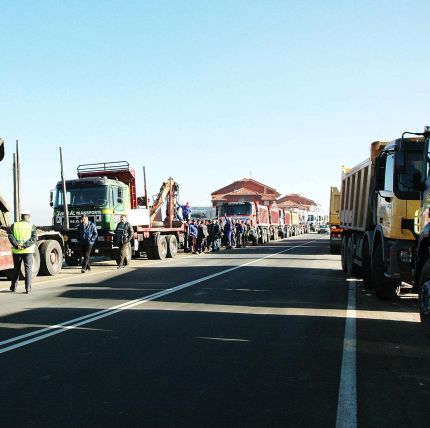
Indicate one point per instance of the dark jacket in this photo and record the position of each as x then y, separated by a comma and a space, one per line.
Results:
87, 235
216, 231
123, 233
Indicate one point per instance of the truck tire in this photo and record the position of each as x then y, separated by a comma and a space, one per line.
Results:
172, 246
51, 257
127, 259
366, 269
424, 297
351, 268
385, 288
160, 248
343, 252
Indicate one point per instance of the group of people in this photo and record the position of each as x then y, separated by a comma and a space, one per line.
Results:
200, 236
23, 239
209, 235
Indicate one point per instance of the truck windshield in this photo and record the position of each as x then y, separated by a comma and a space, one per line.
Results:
412, 177
80, 196
231, 210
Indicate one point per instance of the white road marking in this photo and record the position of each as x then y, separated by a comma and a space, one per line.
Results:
86, 319
347, 401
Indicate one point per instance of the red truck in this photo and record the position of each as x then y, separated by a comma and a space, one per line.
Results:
6, 261
257, 215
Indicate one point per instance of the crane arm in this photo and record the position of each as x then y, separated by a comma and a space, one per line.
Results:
168, 189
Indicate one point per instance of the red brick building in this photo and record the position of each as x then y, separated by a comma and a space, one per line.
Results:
294, 200
245, 190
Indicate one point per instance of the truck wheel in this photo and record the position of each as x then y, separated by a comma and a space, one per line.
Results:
351, 268
127, 258
366, 269
160, 249
424, 297
172, 246
343, 252
385, 288
51, 257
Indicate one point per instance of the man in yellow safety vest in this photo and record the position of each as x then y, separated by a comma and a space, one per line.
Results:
23, 239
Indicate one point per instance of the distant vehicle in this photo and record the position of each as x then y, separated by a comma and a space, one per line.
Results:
323, 228
203, 213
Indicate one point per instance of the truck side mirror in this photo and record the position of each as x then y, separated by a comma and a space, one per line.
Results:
380, 173
51, 198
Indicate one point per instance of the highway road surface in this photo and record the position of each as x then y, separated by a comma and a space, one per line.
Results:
268, 336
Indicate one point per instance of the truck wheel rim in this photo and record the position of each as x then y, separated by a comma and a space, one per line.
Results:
425, 299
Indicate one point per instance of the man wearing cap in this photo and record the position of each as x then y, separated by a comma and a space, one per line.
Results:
23, 238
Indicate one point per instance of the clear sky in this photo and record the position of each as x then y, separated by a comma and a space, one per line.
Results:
208, 91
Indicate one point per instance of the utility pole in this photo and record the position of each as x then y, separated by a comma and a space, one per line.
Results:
65, 207
16, 184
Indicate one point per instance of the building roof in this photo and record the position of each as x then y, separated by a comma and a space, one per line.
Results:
297, 199
243, 184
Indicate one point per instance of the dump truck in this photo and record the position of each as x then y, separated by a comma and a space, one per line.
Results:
255, 213
333, 221
104, 191
276, 226
379, 199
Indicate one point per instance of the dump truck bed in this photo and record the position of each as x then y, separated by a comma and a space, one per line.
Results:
354, 213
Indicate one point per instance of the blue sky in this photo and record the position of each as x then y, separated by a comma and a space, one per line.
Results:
207, 91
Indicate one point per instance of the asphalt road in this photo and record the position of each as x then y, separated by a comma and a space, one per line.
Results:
269, 336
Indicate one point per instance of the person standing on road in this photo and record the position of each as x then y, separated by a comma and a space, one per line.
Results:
192, 236
209, 225
23, 238
122, 239
202, 233
216, 234
247, 229
239, 233
228, 232
87, 237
